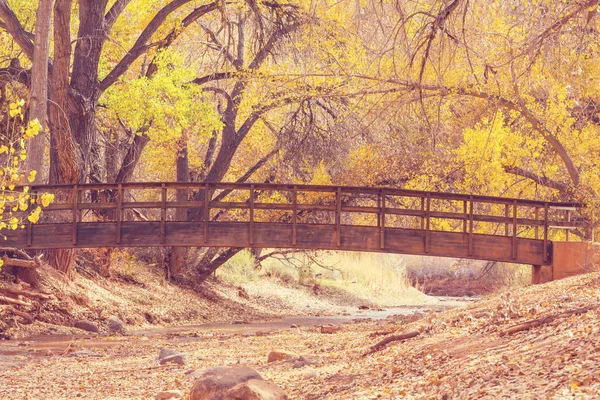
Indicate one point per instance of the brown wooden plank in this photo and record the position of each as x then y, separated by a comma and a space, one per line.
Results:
338, 216
251, 214
294, 215
163, 213
119, 212
514, 231
75, 195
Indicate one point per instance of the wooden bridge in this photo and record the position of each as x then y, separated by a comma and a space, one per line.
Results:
298, 216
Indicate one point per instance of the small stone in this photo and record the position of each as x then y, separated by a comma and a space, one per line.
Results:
169, 394
82, 353
312, 375
294, 326
364, 307
176, 358
166, 352
276, 355
256, 389
330, 329
116, 326
86, 326
200, 358
169, 355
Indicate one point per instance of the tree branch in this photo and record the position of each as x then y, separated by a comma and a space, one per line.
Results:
114, 13
15, 29
541, 180
140, 45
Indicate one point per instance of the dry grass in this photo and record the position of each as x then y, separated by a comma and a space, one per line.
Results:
378, 278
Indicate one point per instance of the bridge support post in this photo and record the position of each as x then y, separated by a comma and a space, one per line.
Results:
541, 274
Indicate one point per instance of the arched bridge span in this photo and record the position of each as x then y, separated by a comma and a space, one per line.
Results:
298, 216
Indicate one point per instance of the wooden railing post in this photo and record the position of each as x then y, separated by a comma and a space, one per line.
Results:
74, 214
537, 218
466, 217
163, 213
568, 230
251, 233
29, 223
382, 224
423, 211
470, 226
427, 221
378, 209
119, 211
294, 214
338, 216
514, 231
506, 215
207, 196
546, 232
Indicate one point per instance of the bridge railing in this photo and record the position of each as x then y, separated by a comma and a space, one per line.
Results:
253, 203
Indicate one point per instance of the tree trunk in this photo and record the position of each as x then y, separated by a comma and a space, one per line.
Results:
38, 98
178, 256
64, 155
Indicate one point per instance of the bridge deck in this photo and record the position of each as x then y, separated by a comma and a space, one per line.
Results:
296, 216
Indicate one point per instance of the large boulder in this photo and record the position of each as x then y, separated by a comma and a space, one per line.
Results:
256, 389
88, 326
214, 383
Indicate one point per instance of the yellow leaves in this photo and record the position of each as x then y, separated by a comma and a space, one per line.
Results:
34, 217
33, 128
32, 176
46, 199
15, 109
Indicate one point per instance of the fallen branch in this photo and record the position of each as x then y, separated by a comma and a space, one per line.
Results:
26, 317
15, 251
13, 301
545, 320
394, 338
20, 292
16, 262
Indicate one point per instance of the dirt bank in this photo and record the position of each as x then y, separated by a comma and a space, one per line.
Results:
461, 353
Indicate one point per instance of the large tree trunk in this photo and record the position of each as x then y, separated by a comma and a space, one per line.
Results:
64, 157
38, 109
178, 255
38, 98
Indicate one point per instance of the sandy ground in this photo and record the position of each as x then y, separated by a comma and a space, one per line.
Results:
463, 353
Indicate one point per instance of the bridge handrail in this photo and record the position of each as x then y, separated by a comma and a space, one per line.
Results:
374, 190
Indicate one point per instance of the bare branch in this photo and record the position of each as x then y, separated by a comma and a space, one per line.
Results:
114, 13
12, 25
141, 44
541, 180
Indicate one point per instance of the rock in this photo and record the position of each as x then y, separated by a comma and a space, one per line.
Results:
214, 383
330, 329
82, 353
240, 322
294, 326
86, 326
169, 355
256, 389
176, 358
115, 326
363, 307
312, 375
166, 352
276, 355
304, 361
169, 394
